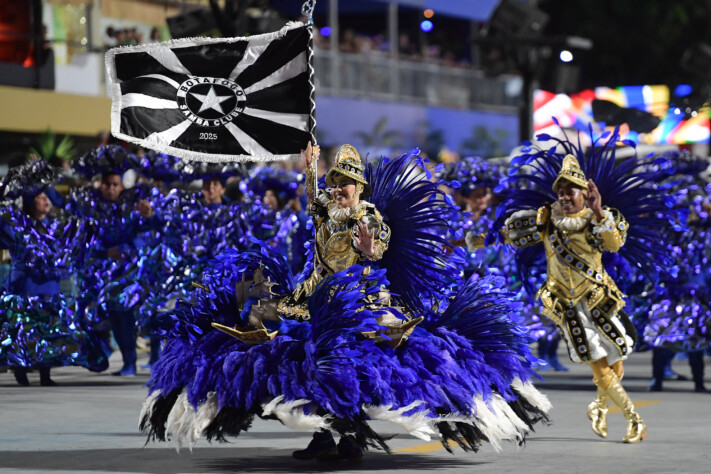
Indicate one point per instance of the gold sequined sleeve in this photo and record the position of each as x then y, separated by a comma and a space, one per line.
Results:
310, 183
612, 231
522, 227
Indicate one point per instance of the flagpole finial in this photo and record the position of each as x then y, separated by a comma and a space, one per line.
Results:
307, 9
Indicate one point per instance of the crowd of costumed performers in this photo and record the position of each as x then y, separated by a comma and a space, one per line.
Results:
41, 324
678, 313
581, 216
378, 325
105, 262
478, 186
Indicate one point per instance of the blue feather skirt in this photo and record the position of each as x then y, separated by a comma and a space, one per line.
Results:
464, 374
50, 331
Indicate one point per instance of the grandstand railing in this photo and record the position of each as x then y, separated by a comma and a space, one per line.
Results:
398, 80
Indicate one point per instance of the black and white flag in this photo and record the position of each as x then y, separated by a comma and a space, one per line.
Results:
217, 99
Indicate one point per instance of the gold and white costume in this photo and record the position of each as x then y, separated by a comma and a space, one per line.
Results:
579, 295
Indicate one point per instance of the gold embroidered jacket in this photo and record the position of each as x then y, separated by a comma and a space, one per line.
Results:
575, 269
335, 249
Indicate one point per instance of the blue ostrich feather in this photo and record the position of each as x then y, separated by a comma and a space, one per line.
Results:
472, 172
54, 249
339, 302
29, 179
631, 187
105, 159
419, 216
194, 170
160, 166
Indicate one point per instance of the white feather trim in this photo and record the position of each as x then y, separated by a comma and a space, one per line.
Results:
418, 425
148, 405
292, 416
187, 424
532, 395
206, 413
494, 425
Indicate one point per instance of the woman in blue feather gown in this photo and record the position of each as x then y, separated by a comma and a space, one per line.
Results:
378, 326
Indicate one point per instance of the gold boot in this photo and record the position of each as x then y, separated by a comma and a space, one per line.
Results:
636, 429
597, 412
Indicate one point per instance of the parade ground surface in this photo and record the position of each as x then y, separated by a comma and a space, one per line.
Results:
89, 424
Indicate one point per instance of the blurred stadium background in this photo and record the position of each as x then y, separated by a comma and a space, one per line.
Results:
451, 77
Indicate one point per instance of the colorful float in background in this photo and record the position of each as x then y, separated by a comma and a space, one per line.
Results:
673, 120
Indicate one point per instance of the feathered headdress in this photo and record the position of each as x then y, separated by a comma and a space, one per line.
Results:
473, 172
194, 170
283, 183
631, 187
106, 159
160, 166
29, 179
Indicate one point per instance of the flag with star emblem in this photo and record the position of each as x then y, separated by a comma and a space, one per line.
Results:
217, 99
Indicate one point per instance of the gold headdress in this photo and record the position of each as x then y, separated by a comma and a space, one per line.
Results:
571, 172
347, 164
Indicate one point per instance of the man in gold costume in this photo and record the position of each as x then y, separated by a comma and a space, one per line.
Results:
579, 295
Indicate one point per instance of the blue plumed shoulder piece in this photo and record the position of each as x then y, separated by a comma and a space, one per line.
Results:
113, 159
630, 185
28, 179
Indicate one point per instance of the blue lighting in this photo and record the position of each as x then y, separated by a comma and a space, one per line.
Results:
326, 31
682, 90
426, 26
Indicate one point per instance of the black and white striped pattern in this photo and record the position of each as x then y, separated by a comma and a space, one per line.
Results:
217, 99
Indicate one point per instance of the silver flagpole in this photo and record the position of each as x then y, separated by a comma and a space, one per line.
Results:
307, 9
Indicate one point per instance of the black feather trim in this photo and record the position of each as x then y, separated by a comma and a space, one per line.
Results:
154, 421
229, 422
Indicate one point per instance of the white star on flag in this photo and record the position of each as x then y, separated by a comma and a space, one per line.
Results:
211, 100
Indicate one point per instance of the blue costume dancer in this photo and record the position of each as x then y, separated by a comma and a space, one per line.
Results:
679, 316
39, 326
122, 215
195, 228
479, 186
276, 216
368, 331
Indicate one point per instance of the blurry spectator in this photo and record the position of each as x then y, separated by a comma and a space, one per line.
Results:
405, 46
233, 192
155, 35
109, 37
121, 37
348, 43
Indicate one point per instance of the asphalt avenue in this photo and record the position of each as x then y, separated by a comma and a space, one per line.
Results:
88, 423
